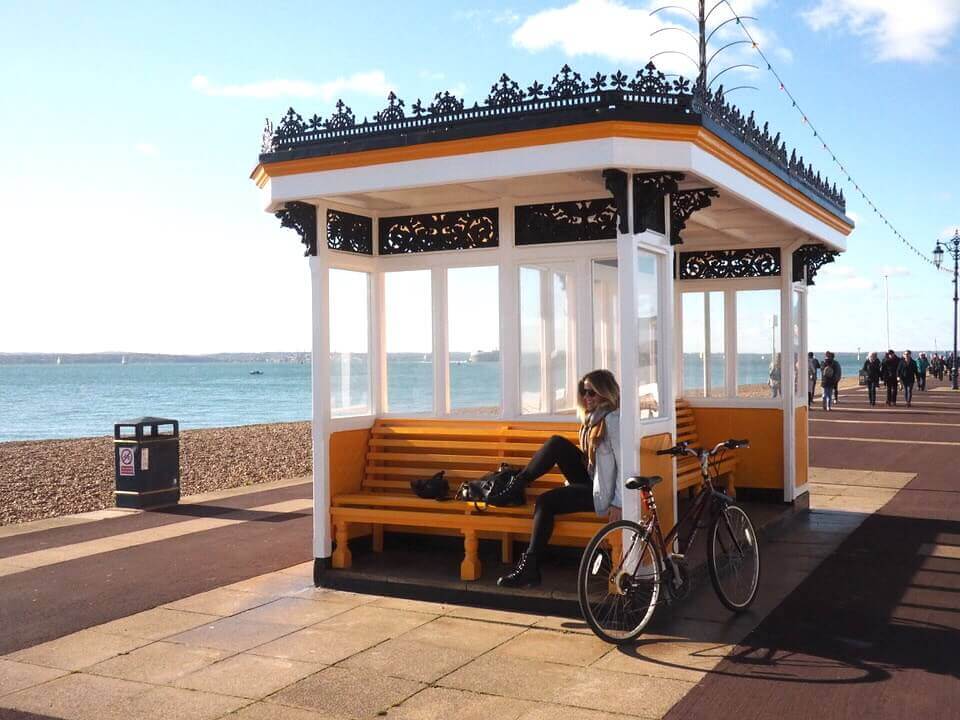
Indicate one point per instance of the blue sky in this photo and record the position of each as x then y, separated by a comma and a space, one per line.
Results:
129, 131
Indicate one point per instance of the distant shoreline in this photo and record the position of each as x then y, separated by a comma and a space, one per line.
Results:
118, 358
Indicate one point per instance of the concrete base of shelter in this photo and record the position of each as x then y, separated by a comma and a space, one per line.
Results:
425, 567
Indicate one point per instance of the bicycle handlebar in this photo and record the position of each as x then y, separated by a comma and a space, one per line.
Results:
683, 448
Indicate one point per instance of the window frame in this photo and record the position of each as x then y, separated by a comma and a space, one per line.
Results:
730, 288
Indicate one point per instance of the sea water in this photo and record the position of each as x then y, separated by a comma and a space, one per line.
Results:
81, 400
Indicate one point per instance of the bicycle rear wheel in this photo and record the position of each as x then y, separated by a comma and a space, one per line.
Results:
733, 557
618, 582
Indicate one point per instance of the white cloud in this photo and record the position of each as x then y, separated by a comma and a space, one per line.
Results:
843, 277
896, 30
147, 149
625, 33
373, 82
895, 271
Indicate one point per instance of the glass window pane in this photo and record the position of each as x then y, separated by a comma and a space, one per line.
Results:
547, 370
473, 320
409, 341
563, 382
758, 343
694, 332
606, 313
349, 335
648, 331
718, 355
531, 342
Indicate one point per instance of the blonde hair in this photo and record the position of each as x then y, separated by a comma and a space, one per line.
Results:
606, 387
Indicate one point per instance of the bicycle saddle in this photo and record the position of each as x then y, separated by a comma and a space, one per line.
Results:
639, 481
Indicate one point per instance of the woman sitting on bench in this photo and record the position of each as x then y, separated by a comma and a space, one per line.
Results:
591, 470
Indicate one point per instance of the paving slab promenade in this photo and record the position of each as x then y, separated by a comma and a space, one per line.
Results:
209, 611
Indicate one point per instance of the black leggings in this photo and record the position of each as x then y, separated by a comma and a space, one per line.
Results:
891, 393
575, 497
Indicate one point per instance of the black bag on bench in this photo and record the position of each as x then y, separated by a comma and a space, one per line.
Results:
431, 488
500, 488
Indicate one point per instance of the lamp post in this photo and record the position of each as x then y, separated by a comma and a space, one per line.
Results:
951, 246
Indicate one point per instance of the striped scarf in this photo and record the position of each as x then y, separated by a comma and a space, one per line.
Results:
591, 432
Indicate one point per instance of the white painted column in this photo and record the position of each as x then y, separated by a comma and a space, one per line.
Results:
320, 377
629, 412
787, 370
441, 353
509, 315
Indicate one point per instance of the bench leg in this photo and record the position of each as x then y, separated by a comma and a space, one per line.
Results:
506, 548
341, 556
378, 538
470, 568
731, 486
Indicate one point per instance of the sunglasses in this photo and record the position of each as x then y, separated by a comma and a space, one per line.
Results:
588, 392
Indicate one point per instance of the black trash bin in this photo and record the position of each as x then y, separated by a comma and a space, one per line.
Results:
147, 462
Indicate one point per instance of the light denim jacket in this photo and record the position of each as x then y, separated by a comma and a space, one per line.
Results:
606, 470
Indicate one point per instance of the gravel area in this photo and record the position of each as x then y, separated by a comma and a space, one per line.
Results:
48, 478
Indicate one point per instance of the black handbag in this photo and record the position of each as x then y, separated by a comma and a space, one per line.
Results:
431, 488
500, 488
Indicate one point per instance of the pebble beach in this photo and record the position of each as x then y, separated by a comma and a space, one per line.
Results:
49, 478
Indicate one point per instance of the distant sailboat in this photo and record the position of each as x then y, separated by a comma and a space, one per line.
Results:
123, 360
59, 360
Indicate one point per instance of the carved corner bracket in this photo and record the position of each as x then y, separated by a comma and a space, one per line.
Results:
808, 259
616, 182
685, 203
302, 217
649, 189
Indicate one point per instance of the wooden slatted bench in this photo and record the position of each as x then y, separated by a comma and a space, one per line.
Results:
688, 468
400, 450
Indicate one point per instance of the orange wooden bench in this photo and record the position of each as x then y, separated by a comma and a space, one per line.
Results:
688, 468
400, 450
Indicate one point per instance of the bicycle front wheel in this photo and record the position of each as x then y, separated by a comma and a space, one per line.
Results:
618, 583
733, 557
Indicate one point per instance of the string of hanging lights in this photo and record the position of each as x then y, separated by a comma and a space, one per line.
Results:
805, 119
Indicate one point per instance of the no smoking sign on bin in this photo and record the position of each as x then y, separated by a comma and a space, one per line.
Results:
126, 462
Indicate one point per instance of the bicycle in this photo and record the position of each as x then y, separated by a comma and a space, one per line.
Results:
627, 566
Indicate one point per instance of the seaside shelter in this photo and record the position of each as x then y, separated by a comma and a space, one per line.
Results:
468, 263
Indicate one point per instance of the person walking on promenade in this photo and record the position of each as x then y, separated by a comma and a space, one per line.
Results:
592, 471
836, 385
907, 371
872, 369
774, 375
829, 379
891, 364
813, 365
923, 364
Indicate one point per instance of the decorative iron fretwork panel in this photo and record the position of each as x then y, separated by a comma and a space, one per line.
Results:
683, 204
616, 182
726, 264
811, 258
302, 217
649, 190
575, 221
648, 95
349, 232
458, 230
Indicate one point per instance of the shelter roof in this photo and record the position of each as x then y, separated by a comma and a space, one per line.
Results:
649, 98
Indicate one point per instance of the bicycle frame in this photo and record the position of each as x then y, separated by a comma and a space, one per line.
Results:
707, 497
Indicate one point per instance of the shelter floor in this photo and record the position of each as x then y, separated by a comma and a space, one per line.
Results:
424, 567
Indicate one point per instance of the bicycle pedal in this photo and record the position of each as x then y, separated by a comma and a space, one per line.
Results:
678, 558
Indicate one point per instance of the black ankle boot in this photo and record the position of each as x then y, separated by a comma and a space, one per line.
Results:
524, 574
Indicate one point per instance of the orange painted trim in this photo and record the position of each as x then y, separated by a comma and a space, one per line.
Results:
700, 137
